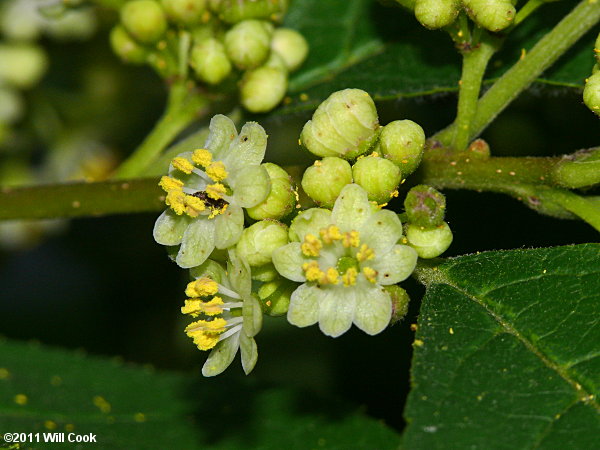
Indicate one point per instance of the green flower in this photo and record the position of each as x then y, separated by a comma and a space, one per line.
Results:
230, 315
344, 257
206, 204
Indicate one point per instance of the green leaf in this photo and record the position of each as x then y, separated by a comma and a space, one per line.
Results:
506, 353
129, 407
383, 50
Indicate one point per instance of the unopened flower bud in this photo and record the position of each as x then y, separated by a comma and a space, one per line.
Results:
184, 12
275, 296
429, 242
125, 47
276, 61
282, 198
402, 142
22, 65
209, 61
325, 179
144, 20
493, 15
291, 46
248, 44
234, 11
434, 14
262, 89
344, 125
425, 206
378, 176
265, 273
591, 93
400, 300
260, 240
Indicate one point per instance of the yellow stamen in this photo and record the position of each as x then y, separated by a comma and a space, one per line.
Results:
351, 239
365, 253
202, 157
330, 277
217, 171
193, 205
395, 194
206, 333
312, 271
216, 211
370, 274
183, 165
215, 191
202, 287
349, 278
175, 199
330, 234
195, 307
169, 183
311, 245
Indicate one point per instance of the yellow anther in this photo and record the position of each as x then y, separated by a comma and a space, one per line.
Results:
215, 191
169, 183
375, 154
318, 163
312, 271
195, 307
202, 157
330, 234
370, 274
395, 194
214, 212
206, 333
365, 253
311, 245
216, 171
202, 287
183, 165
330, 277
193, 205
349, 278
175, 199
351, 239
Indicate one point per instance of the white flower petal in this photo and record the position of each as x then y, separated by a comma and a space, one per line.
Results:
309, 221
288, 261
351, 209
253, 316
336, 310
228, 227
249, 352
197, 244
394, 266
381, 231
247, 149
373, 309
251, 186
169, 228
304, 305
222, 134
221, 356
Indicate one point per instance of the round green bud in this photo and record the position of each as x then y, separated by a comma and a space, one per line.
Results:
22, 66
144, 20
402, 142
275, 296
209, 61
344, 125
11, 105
493, 15
20, 20
291, 46
380, 177
325, 179
184, 12
591, 93
125, 47
425, 206
276, 61
262, 89
234, 11
400, 301
247, 44
429, 242
282, 198
434, 14
265, 273
73, 24
258, 241
479, 149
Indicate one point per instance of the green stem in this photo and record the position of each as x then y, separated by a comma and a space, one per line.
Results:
474, 64
183, 107
574, 25
526, 10
81, 199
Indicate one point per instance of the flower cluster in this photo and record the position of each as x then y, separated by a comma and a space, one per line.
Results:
336, 265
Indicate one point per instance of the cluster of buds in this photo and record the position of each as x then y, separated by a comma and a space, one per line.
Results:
221, 41
336, 264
